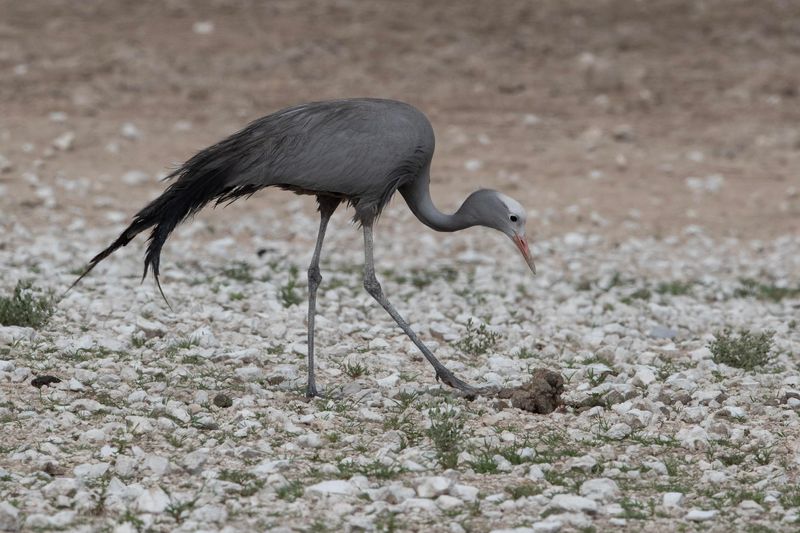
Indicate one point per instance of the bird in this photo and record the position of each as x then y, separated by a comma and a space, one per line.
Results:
359, 151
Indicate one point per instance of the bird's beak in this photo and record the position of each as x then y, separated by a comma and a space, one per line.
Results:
522, 243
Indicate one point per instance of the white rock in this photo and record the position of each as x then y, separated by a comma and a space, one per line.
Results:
270, 466
150, 328
65, 141
600, 489
130, 131
573, 503
584, 463
135, 177
447, 503
9, 517
619, 431
124, 465
535, 473
90, 470
644, 376
153, 500
309, 440
5, 164
750, 506
465, 492
125, 527
331, 487
693, 437
93, 436
60, 486
638, 419
157, 464
714, 477
550, 525
432, 486
215, 514
389, 381
397, 493
193, 461
420, 504
473, 165
203, 27
249, 373
697, 515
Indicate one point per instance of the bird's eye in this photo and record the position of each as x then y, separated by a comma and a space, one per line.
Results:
513, 218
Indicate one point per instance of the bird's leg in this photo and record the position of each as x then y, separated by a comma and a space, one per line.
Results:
326, 209
374, 289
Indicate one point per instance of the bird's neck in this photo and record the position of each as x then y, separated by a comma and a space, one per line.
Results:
418, 197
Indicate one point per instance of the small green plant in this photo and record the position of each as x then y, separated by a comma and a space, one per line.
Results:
639, 294
181, 344
290, 492
137, 341
524, 490
484, 463
354, 369
287, 292
763, 291
743, 350
477, 341
635, 510
240, 271
446, 434
178, 510
763, 456
674, 288
375, 469
25, 307
250, 482
135, 521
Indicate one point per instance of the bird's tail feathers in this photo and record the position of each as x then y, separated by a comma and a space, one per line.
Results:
203, 178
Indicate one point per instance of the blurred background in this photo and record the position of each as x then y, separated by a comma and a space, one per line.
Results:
616, 117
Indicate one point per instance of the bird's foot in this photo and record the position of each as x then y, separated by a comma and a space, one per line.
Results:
448, 378
311, 393
311, 390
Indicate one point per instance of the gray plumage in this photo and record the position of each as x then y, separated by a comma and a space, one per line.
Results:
360, 151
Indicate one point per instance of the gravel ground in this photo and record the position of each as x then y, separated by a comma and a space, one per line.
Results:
194, 419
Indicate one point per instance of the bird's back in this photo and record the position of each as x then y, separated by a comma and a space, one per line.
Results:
358, 149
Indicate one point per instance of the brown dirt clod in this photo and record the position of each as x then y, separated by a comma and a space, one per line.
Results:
542, 394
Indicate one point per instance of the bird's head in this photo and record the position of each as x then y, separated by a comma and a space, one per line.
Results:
496, 210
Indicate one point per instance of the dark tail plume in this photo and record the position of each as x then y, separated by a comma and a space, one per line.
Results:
204, 178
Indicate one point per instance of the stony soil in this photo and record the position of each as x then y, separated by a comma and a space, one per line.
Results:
656, 148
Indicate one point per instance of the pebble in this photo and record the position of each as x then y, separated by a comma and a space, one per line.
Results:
65, 141
135, 177
448, 503
600, 489
618, 431
193, 461
547, 526
153, 500
672, 499
697, 515
467, 493
129, 131
9, 517
331, 487
573, 503
210, 514
432, 486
